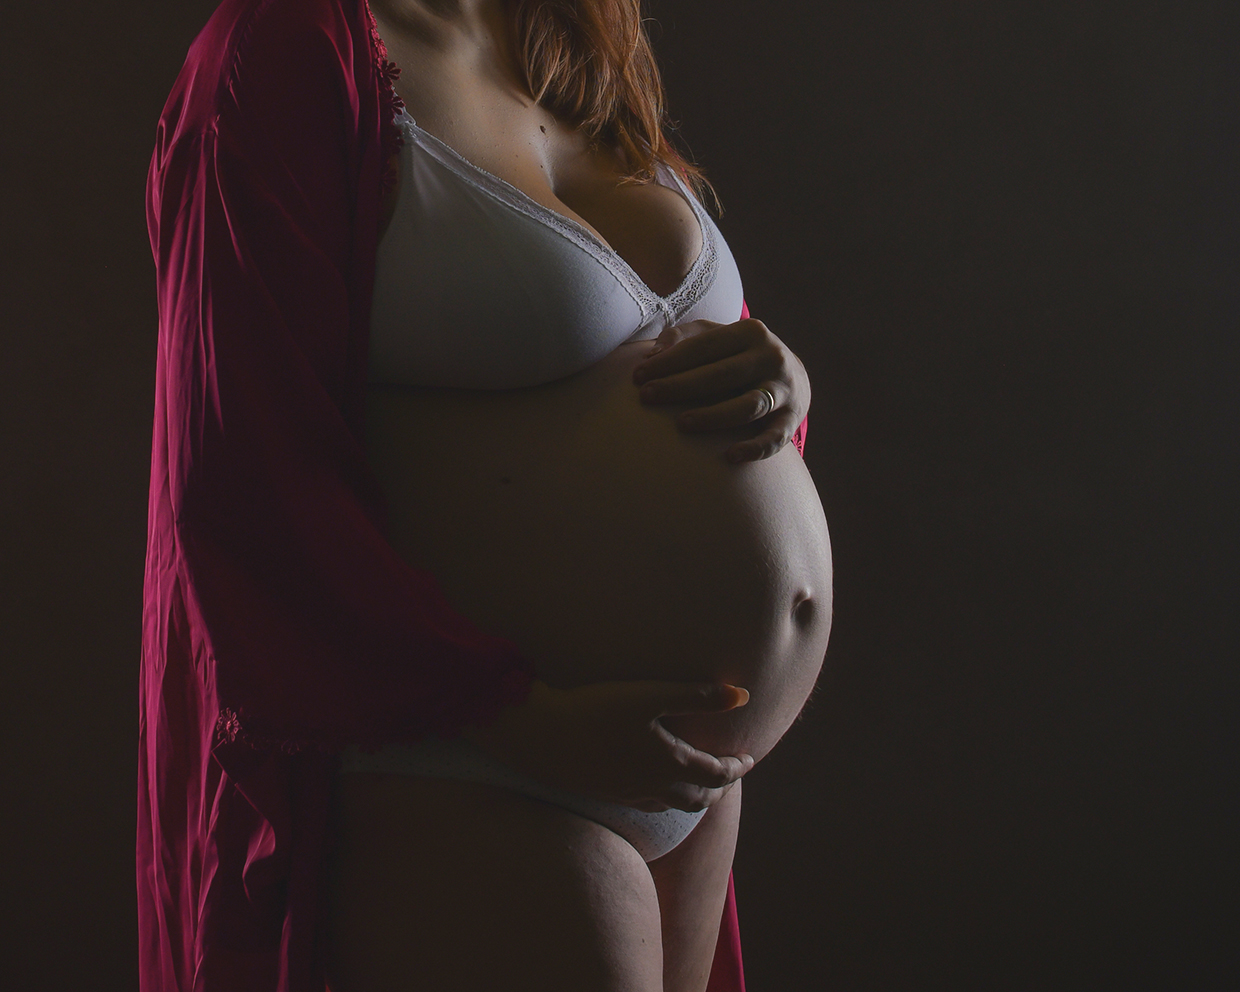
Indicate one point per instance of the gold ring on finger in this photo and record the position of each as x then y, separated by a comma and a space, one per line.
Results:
770, 400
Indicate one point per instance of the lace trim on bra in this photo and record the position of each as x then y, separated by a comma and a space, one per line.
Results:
697, 282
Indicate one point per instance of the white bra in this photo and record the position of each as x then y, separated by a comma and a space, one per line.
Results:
479, 286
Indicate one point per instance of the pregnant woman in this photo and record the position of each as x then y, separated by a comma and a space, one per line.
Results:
443, 615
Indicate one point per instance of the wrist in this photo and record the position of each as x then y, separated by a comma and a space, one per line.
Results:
491, 737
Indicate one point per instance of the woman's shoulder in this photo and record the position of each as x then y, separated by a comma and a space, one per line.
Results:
253, 55
241, 31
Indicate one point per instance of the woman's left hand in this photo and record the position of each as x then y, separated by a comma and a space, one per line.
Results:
731, 363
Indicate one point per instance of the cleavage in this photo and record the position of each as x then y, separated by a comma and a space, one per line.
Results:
488, 120
651, 227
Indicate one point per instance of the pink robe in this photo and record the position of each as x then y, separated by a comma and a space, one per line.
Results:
278, 623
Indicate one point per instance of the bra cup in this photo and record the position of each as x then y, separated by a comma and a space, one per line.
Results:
722, 295
473, 298
479, 287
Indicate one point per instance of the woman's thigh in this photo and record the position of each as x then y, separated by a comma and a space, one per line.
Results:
458, 887
692, 885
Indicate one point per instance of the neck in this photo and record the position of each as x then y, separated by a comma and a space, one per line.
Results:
453, 21
473, 32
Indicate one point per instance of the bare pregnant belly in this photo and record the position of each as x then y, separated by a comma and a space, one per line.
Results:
608, 545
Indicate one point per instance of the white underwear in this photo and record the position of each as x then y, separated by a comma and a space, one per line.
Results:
652, 834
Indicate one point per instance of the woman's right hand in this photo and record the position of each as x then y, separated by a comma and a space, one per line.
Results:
605, 740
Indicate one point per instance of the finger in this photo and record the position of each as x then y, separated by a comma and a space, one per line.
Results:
692, 799
706, 771
732, 374
700, 768
770, 442
667, 338
689, 350
736, 412
670, 336
702, 698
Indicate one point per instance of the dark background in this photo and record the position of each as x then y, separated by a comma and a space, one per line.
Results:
1003, 238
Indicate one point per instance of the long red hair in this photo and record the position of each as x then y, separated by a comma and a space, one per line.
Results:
590, 63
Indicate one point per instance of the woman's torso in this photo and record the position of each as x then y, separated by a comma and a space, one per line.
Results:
568, 516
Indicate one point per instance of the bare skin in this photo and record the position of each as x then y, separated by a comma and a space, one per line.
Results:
451, 885
550, 901
459, 83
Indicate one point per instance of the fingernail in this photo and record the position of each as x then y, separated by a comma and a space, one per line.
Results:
649, 392
744, 694
687, 420
654, 351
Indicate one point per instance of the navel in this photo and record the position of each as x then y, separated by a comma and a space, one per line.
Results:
804, 609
